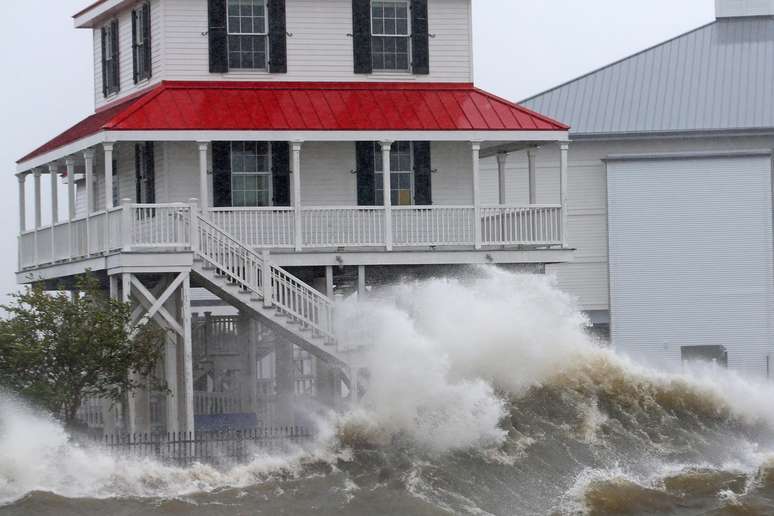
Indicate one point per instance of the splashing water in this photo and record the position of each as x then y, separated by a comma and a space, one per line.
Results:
485, 396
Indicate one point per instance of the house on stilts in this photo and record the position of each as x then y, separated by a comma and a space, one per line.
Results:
249, 160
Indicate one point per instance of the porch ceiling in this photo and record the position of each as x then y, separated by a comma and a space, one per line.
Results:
325, 111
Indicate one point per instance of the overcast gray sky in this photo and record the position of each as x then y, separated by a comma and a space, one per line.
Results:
522, 47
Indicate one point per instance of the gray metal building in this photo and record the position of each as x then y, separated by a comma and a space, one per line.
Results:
671, 174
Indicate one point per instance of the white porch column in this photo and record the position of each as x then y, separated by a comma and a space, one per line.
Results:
38, 211
204, 187
502, 160
564, 148
38, 207
108, 148
22, 203
532, 167
329, 291
296, 171
53, 170
88, 160
476, 148
70, 162
387, 189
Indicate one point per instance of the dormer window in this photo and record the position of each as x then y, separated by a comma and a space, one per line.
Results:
111, 81
248, 34
390, 35
141, 43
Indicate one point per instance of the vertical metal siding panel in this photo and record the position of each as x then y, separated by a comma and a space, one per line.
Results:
691, 256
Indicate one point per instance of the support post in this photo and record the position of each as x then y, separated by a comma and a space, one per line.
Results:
296, 171
387, 189
38, 217
329, 282
188, 396
126, 224
53, 171
108, 148
285, 381
22, 203
476, 150
70, 163
131, 398
194, 228
564, 148
361, 282
531, 170
88, 160
204, 183
502, 160
268, 302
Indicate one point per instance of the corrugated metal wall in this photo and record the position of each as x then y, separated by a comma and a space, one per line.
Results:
691, 257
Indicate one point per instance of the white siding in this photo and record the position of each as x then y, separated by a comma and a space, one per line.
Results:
319, 48
326, 178
125, 55
691, 257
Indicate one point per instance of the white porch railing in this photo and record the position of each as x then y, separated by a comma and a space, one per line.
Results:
433, 225
521, 225
148, 227
266, 228
359, 226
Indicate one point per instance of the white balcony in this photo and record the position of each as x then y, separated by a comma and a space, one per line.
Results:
163, 228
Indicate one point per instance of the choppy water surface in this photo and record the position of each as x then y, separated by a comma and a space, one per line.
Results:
485, 397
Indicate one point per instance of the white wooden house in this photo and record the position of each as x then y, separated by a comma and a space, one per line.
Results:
672, 176
245, 147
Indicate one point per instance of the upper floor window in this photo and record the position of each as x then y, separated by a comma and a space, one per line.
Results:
251, 174
111, 80
390, 35
141, 42
248, 34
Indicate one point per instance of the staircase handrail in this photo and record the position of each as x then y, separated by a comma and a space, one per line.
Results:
288, 293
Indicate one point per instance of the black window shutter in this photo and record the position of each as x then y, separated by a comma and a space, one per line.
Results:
420, 38
221, 174
361, 32
280, 172
116, 62
366, 187
423, 182
218, 36
138, 173
147, 48
135, 57
150, 171
104, 63
278, 37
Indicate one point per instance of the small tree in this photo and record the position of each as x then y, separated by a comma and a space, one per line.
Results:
57, 349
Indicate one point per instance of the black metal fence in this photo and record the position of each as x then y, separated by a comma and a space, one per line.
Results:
216, 447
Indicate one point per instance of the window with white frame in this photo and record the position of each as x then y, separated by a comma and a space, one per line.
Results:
390, 35
401, 175
248, 34
250, 174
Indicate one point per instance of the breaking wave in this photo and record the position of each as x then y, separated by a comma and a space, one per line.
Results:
485, 396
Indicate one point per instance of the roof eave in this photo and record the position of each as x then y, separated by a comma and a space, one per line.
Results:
97, 12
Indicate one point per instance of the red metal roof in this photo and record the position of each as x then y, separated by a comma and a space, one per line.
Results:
286, 106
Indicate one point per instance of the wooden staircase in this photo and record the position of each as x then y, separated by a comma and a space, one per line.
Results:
247, 280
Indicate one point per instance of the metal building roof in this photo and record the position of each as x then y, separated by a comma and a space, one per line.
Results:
719, 77
288, 106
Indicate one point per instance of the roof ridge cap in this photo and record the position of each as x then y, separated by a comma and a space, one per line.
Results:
136, 105
526, 110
